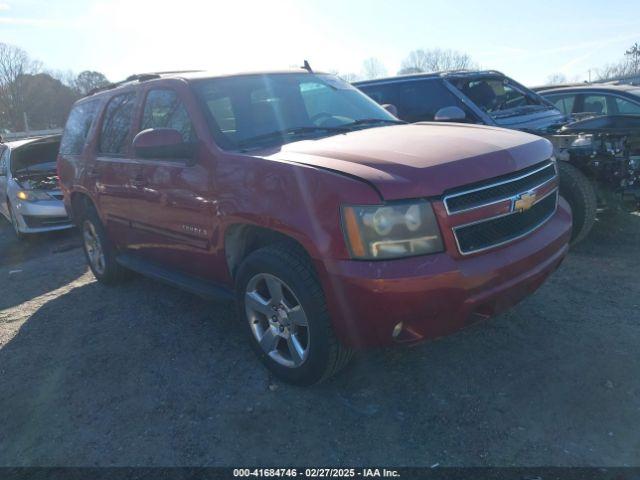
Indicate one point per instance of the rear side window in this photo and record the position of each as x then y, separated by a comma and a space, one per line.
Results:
626, 107
416, 100
163, 109
564, 103
117, 124
595, 104
77, 128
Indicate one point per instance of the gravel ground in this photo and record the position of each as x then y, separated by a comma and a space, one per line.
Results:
144, 374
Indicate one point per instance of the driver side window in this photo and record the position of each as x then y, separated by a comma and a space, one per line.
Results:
163, 109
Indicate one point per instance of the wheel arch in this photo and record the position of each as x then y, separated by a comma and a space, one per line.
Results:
80, 201
241, 239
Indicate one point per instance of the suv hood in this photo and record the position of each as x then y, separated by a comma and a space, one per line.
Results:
421, 159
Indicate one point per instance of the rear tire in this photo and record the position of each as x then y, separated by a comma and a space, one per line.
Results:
263, 314
579, 192
99, 250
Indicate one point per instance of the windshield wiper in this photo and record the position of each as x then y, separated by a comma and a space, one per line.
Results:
289, 131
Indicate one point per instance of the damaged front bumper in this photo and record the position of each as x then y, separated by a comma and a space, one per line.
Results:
605, 148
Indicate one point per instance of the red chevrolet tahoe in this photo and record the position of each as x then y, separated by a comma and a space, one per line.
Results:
333, 224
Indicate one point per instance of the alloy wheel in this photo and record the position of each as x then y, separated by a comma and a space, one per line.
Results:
277, 320
93, 247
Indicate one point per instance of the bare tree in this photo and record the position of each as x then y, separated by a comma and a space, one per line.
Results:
14, 65
628, 66
614, 71
634, 57
556, 79
88, 80
435, 60
66, 77
349, 76
373, 68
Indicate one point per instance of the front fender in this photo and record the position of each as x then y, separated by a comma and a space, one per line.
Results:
299, 201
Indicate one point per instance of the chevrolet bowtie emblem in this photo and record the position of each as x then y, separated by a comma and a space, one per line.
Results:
524, 202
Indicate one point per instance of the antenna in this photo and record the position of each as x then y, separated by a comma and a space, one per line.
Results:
307, 67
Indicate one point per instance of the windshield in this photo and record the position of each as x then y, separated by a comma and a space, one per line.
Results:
498, 97
263, 110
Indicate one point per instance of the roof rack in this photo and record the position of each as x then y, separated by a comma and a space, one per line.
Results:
138, 77
472, 72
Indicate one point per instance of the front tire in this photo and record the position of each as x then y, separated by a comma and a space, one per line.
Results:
98, 249
579, 192
284, 312
14, 222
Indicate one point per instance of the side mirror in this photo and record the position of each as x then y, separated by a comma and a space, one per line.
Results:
450, 114
163, 143
391, 108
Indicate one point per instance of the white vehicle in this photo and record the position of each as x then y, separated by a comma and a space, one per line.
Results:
29, 195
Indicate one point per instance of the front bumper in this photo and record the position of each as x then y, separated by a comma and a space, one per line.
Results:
43, 216
436, 295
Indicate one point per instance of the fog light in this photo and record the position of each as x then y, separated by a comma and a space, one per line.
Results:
397, 330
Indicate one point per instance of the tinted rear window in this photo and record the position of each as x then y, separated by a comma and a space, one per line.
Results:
117, 124
77, 128
415, 100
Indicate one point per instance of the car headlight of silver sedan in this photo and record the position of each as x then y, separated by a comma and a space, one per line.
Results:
393, 230
33, 195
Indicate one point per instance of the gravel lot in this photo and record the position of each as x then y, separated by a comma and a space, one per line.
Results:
144, 374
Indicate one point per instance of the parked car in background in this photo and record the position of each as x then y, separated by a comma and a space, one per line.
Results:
604, 137
333, 224
29, 194
482, 97
594, 99
596, 156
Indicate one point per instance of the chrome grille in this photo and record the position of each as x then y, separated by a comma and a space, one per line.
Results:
506, 228
499, 189
520, 202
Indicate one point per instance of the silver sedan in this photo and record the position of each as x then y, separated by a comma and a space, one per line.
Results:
29, 194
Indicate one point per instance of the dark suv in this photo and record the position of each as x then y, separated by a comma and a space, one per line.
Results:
596, 157
333, 224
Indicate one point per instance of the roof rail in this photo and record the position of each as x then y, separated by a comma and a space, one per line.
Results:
465, 70
171, 72
138, 77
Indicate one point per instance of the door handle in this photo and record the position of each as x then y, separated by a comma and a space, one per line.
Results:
92, 173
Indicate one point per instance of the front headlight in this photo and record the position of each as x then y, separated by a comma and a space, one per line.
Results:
399, 229
32, 195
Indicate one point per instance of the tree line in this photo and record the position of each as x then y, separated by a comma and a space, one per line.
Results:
33, 98
626, 68
417, 61
436, 60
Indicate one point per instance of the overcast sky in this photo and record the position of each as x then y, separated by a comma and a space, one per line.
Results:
526, 40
